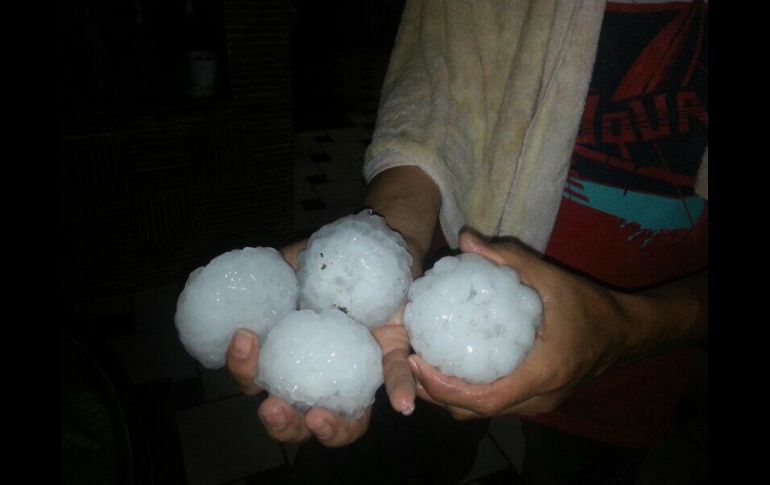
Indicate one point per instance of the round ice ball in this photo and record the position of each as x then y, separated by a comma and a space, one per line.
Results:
356, 264
246, 288
471, 318
325, 359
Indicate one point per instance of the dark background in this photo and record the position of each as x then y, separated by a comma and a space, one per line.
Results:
155, 183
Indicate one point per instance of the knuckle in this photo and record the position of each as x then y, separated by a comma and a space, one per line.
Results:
489, 408
491, 411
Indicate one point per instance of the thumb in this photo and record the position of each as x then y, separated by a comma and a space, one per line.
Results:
512, 253
470, 243
291, 253
242, 358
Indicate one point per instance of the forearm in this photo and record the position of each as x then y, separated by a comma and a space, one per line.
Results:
410, 201
668, 316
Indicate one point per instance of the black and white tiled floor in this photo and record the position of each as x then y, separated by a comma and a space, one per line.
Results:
202, 431
328, 181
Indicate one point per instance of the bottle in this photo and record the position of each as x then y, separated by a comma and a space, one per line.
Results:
200, 60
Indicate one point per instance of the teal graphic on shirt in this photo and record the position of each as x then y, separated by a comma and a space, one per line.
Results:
651, 212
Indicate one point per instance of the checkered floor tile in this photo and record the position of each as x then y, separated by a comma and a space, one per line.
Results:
328, 180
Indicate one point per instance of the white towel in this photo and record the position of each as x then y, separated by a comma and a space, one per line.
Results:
486, 97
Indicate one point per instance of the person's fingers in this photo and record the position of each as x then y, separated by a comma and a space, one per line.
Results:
512, 254
420, 390
291, 253
399, 381
470, 243
282, 422
392, 335
241, 358
460, 414
448, 390
485, 399
423, 394
333, 431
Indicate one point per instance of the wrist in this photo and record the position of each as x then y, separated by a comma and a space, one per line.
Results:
409, 201
418, 255
664, 317
638, 320
414, 244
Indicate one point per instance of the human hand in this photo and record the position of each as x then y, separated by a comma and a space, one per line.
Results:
284, 423
583, 333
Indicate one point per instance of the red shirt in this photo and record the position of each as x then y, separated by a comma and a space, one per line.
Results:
628, 216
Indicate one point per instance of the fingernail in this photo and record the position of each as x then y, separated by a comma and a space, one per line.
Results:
324, 431
242, 345
275, 421
409, 410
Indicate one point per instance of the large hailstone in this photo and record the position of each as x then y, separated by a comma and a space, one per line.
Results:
246, 288
322, 359
358, 265
471, 318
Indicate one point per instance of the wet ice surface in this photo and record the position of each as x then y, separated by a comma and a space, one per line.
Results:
246, 288
322, 359
471, 318
358, 265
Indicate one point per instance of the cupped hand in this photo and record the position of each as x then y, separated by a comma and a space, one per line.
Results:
583, 333
286, 424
